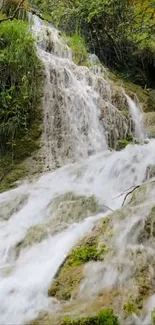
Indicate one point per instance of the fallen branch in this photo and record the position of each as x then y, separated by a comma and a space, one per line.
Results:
133, 189
130, 193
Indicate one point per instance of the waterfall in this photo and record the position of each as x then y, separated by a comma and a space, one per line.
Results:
136, 114
81, 114
41, 221
72, 130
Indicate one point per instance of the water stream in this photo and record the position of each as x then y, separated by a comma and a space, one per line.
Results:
26, 271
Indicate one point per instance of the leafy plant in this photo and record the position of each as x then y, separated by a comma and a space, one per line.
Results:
121, 33
20, 71
104, 317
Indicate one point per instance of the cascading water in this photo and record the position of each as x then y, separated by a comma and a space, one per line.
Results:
71, 124
38, 227
136, 115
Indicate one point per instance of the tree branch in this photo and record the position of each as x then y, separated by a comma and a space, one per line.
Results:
133, 189
14, 14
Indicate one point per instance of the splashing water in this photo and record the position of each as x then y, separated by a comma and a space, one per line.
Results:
25, 277
27, 270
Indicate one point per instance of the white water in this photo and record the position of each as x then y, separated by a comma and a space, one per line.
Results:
72, 130
136, 115
25, 277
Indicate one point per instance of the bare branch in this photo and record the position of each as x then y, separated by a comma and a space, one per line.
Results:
130, 193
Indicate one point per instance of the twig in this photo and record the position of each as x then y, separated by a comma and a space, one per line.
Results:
14, 14
123, 192
130, 193
108, 207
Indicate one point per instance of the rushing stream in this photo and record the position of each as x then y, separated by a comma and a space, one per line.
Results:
26, 271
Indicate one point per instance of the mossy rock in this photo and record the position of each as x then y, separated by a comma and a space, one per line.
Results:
12, 205
104, 317
11, 174
148, 231
149, 124
130, 308
71, 207
66, 285
34, 234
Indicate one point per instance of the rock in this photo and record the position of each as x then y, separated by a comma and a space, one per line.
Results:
150, 103
149, 124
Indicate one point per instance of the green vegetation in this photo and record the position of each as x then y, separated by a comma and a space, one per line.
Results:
104, 317
77, 44
124, 142
81, 255
121, 33
130, 308
66, 283
20, 97
153, 318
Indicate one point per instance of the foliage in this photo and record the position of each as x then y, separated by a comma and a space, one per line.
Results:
13, 9
81, 255
20, 94
20, 72
122, 144
104, 317
77, 44
86, 253
121, 33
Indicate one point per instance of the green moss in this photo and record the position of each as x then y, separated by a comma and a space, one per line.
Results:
66, 284
79, 51
122, 144
130, 308
104, 317
10, 175
153, 318
81, 255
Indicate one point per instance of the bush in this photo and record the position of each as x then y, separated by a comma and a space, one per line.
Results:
20, 72
120, 33
104, 317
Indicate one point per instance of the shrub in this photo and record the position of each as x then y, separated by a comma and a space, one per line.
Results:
20, 72
104, 317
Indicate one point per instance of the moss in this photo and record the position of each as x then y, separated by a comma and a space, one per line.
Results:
122, 144
79, 51
81, 255
104, 317
9, 179
153, 318
148, 230
130, 308
66, 284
